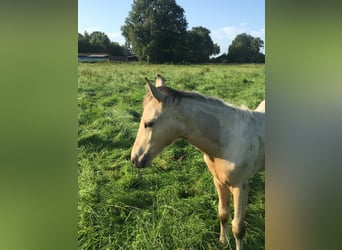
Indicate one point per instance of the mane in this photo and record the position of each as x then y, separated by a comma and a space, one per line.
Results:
176, 96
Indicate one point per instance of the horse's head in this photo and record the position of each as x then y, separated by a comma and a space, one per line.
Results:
158, 125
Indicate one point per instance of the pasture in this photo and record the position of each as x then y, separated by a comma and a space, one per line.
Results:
173, 203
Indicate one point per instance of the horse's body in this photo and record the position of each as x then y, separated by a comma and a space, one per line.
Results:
231, 139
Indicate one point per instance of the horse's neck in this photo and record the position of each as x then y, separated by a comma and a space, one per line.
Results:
202, 125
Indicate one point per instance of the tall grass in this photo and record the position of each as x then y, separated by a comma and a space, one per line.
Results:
172, 204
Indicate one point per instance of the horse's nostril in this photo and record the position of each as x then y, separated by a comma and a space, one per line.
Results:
133, 162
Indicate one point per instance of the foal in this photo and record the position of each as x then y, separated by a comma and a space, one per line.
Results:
232, 140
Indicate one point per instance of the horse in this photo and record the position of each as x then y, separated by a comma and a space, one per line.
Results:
232, 141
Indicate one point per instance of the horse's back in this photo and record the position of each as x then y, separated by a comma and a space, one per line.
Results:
261, 107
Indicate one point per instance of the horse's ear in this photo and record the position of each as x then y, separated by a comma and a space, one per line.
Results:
160, 81
160, 96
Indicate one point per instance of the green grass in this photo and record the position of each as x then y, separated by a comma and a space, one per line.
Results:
172, 204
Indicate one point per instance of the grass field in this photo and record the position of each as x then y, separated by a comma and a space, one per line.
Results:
173, 203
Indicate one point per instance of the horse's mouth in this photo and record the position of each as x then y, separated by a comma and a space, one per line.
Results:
144, 162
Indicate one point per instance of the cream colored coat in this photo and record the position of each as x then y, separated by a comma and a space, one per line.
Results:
232, 140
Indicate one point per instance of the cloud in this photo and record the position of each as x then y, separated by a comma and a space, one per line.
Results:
259, 33
225, 35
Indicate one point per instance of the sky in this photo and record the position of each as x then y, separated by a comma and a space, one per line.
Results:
224, 18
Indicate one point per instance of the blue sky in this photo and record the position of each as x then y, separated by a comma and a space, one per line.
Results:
224, 18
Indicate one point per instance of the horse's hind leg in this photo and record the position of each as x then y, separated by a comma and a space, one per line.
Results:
240, 195
223, 209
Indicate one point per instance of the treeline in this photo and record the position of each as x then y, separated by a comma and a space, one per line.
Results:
156, 31
98, 42
244, 49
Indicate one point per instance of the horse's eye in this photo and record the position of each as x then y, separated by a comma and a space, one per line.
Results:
148, 124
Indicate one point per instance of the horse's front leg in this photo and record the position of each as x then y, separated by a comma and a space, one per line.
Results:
240, 195
223, 193
223, 209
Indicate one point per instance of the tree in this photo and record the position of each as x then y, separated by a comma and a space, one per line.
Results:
246, 49
83, 43
99, 41
116, 50
200, 45
155, 30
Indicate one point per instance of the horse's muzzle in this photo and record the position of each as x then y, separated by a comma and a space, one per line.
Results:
140, 163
